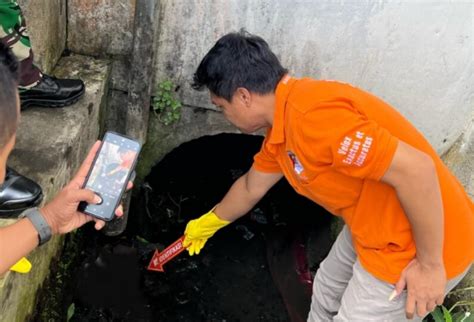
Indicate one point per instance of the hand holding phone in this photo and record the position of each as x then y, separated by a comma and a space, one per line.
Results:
61, 213
109, 175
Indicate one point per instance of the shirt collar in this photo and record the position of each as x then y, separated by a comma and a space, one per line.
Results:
277, 131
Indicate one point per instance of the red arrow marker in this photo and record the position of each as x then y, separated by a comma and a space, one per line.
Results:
160, 259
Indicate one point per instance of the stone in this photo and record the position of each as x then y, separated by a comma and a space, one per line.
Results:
120, 72
100, 28
116, 109
51, 144
48, 35
141, 70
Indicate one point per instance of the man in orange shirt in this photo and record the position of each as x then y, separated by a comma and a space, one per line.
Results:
409, 224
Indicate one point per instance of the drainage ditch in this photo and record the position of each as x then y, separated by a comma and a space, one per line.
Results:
259, 268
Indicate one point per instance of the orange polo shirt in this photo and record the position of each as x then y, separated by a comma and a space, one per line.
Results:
333, 143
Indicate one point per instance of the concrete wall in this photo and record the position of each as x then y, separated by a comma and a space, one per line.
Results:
46, 23
104, 28
417, 55
100, 27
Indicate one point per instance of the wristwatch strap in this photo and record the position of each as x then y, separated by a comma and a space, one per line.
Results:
40, 224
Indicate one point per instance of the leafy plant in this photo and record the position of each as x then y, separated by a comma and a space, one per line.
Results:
70, 311
442, 314
143, 240
165, 104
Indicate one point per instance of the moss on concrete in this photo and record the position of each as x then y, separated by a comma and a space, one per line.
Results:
53, 305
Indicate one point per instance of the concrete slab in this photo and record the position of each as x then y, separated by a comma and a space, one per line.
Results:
100, 27
46, 23
51, 144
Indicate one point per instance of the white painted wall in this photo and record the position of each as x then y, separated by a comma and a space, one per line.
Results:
417, 55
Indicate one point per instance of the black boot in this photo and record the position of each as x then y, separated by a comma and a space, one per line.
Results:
52, 92
17, 194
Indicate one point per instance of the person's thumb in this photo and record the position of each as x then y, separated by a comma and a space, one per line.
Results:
85, 195
186, 242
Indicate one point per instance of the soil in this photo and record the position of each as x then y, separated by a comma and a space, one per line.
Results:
260, 268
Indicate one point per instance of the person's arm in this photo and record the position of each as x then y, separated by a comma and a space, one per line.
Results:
245, 193
16, 241
61, 214
241, 197
413, 175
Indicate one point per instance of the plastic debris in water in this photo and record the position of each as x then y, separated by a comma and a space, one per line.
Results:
182, 298
248, 235
258, 216
100, 261
146, 187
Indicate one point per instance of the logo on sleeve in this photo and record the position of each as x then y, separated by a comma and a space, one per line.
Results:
297, 166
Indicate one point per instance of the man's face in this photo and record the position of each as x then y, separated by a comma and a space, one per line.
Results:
239, 112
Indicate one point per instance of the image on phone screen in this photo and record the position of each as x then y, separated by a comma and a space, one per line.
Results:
110, 173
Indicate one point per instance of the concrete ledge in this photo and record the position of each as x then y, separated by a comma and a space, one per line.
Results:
100, 27
51, 144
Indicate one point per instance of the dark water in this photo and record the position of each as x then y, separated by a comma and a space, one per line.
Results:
257, 269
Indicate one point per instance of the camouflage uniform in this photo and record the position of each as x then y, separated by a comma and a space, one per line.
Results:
14, 34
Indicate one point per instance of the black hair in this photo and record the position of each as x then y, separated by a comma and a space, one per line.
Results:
9, 114
239, 59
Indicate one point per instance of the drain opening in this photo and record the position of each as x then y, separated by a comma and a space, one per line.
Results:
259, 268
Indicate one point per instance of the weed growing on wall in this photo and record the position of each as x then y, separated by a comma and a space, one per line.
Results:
165, 104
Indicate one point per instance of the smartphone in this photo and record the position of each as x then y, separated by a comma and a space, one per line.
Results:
110, 173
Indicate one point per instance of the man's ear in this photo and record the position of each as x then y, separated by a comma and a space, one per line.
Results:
244, 96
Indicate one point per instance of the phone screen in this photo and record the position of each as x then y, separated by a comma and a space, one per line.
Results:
110, 173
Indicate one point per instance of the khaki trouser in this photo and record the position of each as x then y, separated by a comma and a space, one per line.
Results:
344, 291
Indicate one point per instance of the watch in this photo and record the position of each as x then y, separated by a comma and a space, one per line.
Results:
40, 224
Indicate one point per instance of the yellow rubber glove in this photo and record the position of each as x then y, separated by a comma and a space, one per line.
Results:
22, 266
198, 231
